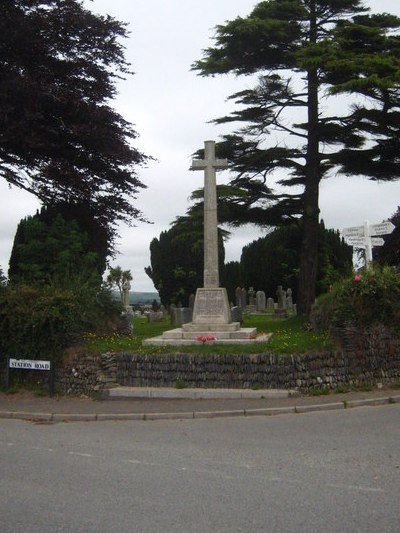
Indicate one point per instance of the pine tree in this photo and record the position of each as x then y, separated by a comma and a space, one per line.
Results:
328, 84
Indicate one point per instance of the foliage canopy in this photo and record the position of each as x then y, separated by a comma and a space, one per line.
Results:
177, 258
274, 260
389, 253
60, 139
328, 89
51, 246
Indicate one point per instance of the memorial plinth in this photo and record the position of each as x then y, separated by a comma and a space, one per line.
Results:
211, 312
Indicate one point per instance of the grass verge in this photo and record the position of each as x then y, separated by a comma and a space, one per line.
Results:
290, 336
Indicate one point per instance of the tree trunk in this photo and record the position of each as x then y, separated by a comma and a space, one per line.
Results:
309, 248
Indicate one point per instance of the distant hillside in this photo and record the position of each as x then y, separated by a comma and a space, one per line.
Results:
143, 297
136, 298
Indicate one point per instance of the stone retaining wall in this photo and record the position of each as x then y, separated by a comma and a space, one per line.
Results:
87, 374
367, 358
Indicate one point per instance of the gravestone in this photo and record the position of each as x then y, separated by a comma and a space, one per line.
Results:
260, 301
238, 297
237, 315
281, 310
289, 300
191, 301
270, 305
251, 295
186, 315
126, 287
126, 321
172, 313
281, 297
244, 299
155, 316
181, 315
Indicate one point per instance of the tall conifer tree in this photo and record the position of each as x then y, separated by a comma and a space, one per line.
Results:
329, 82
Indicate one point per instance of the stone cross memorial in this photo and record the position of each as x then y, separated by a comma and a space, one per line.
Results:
211, 303
210, 165
212, 317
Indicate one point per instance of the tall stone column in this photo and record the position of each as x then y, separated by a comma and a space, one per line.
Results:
211, 303
212, 319
210, 165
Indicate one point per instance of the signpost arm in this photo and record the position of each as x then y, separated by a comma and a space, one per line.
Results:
365, 237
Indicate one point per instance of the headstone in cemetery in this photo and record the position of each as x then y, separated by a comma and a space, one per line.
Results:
260, 301
251, 308
251, 295
281, 310
181, 315
155, 316
270, 305
237, 315
126, 287
281, 297
289, 300
172, 313
244, 299
126, 321
186, 315
238, 297
191, 301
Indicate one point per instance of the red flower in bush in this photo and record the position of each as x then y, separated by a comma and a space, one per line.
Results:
357, 278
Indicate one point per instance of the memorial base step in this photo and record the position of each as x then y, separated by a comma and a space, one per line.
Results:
178, 337
210, 328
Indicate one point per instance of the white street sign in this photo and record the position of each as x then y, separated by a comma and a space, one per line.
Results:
357, 242
381, 229
355, 231
377, 241
362, 237
28, 364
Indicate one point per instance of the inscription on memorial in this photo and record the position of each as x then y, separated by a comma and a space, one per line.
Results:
210, 303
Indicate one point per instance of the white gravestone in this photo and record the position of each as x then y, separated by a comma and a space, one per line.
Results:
261, 301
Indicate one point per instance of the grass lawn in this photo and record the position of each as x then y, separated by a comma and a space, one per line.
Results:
290, 336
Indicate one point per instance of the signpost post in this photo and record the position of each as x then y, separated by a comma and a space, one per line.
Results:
365, 237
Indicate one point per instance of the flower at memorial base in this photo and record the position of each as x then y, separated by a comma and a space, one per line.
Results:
205, 338
357, 278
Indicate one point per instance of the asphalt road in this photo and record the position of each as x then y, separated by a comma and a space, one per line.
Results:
335, 471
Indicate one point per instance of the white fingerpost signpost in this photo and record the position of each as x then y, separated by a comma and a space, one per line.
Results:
366, 237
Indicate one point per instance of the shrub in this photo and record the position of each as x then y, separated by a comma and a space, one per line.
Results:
40, 321
361, 301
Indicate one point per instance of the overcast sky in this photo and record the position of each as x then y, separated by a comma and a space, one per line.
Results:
170, 107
